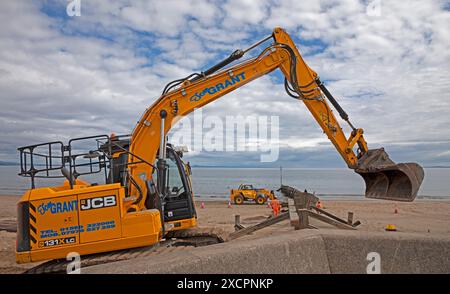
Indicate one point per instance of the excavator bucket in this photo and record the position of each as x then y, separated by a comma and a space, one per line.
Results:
387, 180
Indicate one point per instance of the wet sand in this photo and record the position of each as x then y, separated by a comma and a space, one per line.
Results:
421, 216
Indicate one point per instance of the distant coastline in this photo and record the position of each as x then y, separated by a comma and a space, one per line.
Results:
217, 181
295, 167
7, 163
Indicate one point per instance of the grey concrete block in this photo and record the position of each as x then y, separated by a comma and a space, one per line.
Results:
276, 254
304, 251
399, 252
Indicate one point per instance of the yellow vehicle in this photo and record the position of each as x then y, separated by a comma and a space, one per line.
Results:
146, 193
248, 193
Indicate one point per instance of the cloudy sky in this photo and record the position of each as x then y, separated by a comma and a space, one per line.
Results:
387, 62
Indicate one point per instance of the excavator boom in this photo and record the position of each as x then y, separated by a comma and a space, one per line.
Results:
384, 179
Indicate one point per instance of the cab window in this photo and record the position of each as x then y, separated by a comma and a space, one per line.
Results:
174, 182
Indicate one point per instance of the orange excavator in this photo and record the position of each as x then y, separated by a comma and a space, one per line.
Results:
147, 194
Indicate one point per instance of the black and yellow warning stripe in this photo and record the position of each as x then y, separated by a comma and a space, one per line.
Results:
33, 231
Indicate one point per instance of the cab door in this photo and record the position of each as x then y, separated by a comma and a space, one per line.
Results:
178, 199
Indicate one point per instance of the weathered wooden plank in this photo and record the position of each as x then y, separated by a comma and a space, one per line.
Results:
303, 218
237, 223
330, 215
350, 218
293, 215
327, 220
300, 201
305, 200
259, 226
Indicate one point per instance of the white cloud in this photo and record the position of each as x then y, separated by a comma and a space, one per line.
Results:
244, 12
166, 17
96, 73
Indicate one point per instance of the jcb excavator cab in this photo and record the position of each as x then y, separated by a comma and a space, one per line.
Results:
175, 199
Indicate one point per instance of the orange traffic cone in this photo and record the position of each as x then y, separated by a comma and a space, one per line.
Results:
202, 205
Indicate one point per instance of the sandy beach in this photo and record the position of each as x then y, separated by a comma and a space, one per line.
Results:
421, 216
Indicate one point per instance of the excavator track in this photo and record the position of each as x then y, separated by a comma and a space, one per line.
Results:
175, 241
200, 236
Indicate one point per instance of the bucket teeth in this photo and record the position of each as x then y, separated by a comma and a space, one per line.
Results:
387, 180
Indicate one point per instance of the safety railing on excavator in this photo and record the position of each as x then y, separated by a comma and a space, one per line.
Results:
56, 160
53, 160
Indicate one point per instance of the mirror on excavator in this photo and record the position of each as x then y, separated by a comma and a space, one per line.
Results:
387, 180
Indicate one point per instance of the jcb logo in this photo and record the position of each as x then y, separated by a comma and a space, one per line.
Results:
98, 202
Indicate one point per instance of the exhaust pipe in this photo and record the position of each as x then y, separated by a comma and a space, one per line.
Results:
387, 180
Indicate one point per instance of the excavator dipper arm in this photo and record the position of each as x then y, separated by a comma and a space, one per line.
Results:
384, 179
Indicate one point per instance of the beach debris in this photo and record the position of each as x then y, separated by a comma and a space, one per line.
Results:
268, 222
303, 205
8, 224
229, 204
202, 205
390, 228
